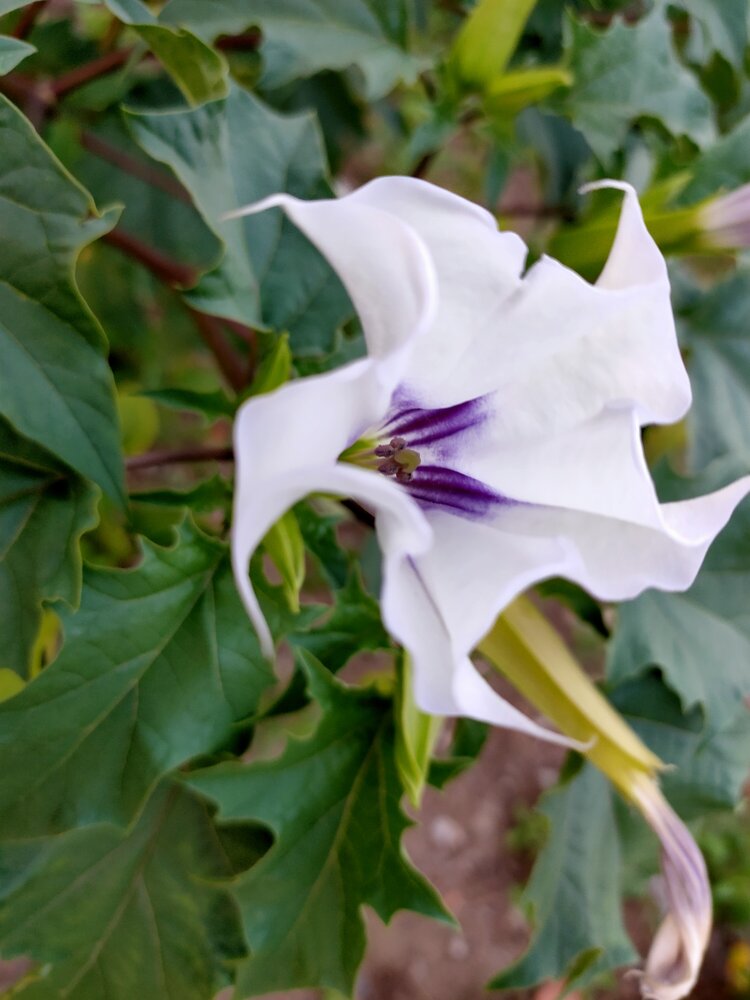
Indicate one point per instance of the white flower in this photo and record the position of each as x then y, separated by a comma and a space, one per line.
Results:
502, 416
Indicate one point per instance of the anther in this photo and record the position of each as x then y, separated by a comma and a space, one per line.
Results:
384, 451
389, 467
398, 443
403, 476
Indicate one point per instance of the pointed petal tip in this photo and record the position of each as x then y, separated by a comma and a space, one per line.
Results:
674, 961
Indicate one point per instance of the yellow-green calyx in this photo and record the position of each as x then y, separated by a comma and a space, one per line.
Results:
529, 652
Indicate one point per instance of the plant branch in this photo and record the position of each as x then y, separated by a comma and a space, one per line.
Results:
82, 75
179, 276
246, 42
209, 327
130, 165
171, 272
25, 23
179, 456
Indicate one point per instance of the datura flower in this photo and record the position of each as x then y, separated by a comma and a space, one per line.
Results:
494, 428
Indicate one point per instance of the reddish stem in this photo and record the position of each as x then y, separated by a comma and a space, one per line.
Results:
209, 327
246, 42
136, 168
178, 456
82, 75
170, 271
27, 20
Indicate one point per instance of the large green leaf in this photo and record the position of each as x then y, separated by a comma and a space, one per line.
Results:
708, 757
725, 165
157, 211
716, 331
159, 665
627, 73
122, 915
44, 509
12, 52
575, 890
354, 625
723, 26
303, 37
332, 802
198, 70
55, 385
234, 152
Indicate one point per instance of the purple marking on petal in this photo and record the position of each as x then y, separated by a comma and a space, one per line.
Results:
422, 426
435, 486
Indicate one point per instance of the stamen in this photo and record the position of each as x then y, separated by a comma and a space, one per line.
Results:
397, 443
389, 468
384, 451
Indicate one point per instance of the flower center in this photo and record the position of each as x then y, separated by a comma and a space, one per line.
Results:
398, 460
420, 448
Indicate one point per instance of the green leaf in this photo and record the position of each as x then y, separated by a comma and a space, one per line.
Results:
723, 25
10, 683
12, 52
575, 893
275, 369
44, 510
159, 665
487, 40
198, 70
332, 802
285, 547
319, 532
302, 38
708, 757
213, 405
416, 735
354, 625
209, 495
627, 73
511, 92
122, 915
6, 6
157, 210
234, 152
725, 165
714, 331
52, 348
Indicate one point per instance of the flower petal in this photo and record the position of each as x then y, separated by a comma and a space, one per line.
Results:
438, 604
445, 683
597, 467
677, 951
383, 264
616, 560
555, 348
478, 269
287, 444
